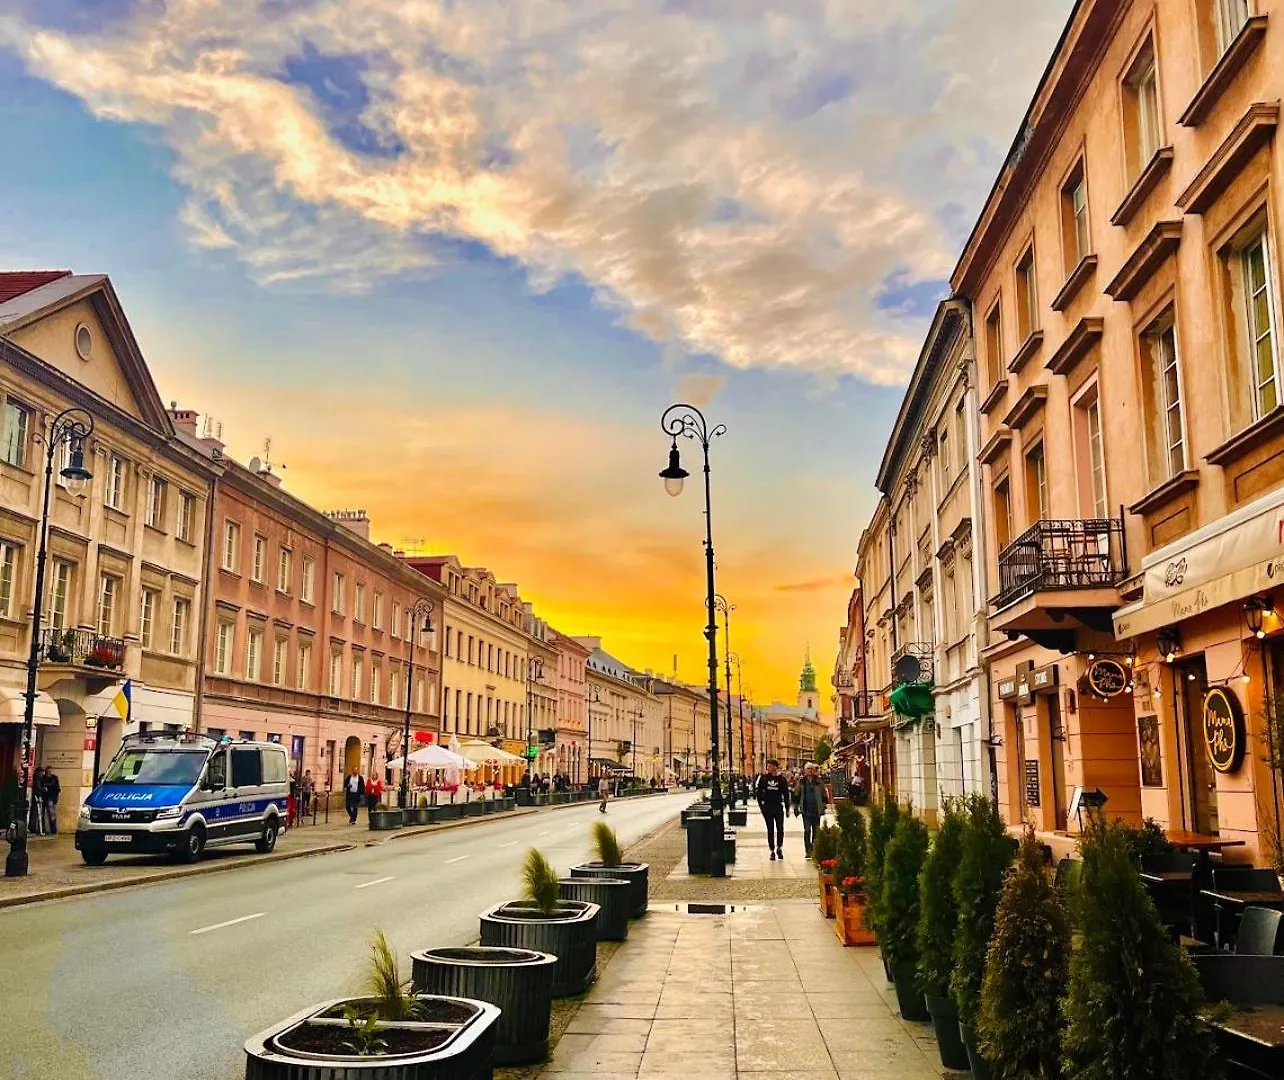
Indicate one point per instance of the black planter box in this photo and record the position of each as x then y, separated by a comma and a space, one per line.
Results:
466, 1051
475, 808
570, 935
385, 820
909, 995
416, 815
433, 814
636, 874
613, 896
738, 818
945, 1023
519, 982
510, 804
729, 847
488, 806
977, 1065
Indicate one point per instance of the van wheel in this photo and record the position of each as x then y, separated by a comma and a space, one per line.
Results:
267, 841
93, 856
193, 844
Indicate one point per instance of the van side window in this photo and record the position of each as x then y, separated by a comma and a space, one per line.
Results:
217, 771
273, 767
247, 768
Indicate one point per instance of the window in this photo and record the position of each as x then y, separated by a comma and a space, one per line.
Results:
155, 516
275, 769
1259, 305
394, 623
358, 675
410, 626
376, 615
1027, 296
419, 695
1161, 388
8, 566
336, 673
59, 592
178, 626
359, 603
254, 655
284, 569
960, 434
1230, 16
303, 660
115, 493
278, 661
1074, 218
994, 341
337, 587
108, 590
223, 644
247, 767
1142, 126
147, 617
490, 657
1036, 484
307, 586
231, 546
376, 677
186, 517
459, 645
17, 421
470, 648
1090, 454
1003, 513
447, 640
394, 681
259, 567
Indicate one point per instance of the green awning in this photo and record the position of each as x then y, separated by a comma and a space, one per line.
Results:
913, 700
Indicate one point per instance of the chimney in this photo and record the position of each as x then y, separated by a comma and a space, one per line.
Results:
386, 548
184, 419
355, 521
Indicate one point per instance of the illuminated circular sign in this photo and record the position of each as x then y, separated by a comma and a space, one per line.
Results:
1223, 729
1107, 678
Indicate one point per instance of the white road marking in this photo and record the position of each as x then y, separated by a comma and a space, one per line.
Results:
511, 843
458, 858
377, 881
230, 922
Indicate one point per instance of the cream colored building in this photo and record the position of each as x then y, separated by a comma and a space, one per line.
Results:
126, 559
627, 718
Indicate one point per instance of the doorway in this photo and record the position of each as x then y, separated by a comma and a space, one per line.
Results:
1201, 781
351, 755
1057, 731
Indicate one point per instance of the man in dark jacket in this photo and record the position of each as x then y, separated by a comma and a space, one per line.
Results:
52, 791
772, 793
811, 802
354, 789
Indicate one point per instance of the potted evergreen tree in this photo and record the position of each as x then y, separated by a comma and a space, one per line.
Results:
898, 912
1019, 1023
851, 896
883, 815
824, 853
610, 863
987, 852
937, 922
1132, 1007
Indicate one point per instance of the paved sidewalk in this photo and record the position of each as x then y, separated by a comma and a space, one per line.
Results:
764, 991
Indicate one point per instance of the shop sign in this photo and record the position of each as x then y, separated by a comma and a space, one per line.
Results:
1032, 782
1223, 729
1152, 762
1107, 678
1043, 678
1007, 689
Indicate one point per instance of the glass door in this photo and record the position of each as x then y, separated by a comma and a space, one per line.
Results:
1201, 780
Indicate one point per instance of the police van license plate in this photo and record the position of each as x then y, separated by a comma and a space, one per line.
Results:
119, 838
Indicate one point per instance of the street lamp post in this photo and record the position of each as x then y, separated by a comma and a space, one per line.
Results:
726, 608
689, 422
425, 608
534, 674
71, 427
592, 696
740, 687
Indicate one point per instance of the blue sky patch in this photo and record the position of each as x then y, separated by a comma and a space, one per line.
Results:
337, 84
914, 300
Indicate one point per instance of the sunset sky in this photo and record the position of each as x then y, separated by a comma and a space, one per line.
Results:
454, 258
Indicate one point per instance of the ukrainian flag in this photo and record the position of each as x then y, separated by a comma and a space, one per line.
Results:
123, 702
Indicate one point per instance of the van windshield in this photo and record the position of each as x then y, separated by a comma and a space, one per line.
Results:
170, 767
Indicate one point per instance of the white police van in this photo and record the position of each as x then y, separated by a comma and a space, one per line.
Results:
179, 792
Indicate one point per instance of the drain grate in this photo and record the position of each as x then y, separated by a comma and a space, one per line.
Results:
709, 909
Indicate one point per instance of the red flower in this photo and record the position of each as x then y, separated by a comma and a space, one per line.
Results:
829, 864
849, 883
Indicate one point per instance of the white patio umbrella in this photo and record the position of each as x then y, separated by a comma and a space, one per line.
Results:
484, 754
433, 756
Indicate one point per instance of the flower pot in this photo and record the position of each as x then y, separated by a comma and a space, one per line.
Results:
909, 995
570, 934
454, 1040
475, 808
851, 923
738, 818
611, 895
945, 1022
385, 820
416, 815
887, 967
980, 1068
634, 873
827, 901
519, 982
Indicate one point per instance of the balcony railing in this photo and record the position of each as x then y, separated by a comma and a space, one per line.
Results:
867, 703
1062, 555
84, 647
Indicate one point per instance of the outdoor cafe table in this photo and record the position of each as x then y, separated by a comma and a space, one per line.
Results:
1200, 842
1166, 877
1245, 897
1257, 1034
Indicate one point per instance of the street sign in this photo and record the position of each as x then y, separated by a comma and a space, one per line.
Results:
532, 752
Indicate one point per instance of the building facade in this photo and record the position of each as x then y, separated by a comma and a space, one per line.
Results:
571, 748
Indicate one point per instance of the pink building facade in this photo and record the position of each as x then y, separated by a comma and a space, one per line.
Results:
572, 690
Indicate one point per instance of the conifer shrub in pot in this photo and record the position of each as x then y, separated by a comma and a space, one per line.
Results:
824, 853
610, 863
937, 923
1132, 1006
883, 815
542, 922
987, 853
1019, 1023
388, 1033
899, 912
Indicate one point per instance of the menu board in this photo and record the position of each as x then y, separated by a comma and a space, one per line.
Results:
1032, 782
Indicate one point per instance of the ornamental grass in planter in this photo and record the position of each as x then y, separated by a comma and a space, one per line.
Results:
610, 863
899, 912
937, 924
1019, 1023
987, 853
1132, 1008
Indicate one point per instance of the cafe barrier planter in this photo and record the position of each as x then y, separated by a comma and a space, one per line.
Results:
570, 934
417, 815
827, 901
977, 1065
454, 1039
611, 895
945, 1022
909, 995
738, 818
851, 920
729, 840
633, 872
385, 820
518, 982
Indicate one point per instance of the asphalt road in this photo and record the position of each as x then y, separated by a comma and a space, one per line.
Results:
165, 982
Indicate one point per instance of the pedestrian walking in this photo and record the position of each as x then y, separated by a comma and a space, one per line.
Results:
772, 793
603, 793
309, 786
53, 789
374, 791
353, 788
36, 817
811, 802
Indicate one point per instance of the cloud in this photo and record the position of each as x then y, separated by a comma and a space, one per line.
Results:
732, 179
699, 390
817, 585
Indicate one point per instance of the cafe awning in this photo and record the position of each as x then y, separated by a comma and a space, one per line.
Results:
913, 700
607, 765
13, 704
484, 754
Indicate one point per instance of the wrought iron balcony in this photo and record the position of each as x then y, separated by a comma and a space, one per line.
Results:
83, 647
867, 703
1062, 556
